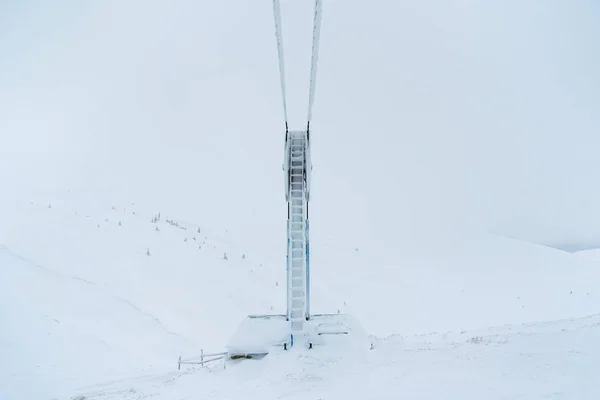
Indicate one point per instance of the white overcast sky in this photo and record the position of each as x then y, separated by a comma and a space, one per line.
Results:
429, 114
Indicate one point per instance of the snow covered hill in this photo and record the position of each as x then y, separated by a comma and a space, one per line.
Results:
86, 282
533, 361
86, 304
59, 329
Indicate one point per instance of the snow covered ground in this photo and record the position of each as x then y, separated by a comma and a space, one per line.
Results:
86, 312
552, 360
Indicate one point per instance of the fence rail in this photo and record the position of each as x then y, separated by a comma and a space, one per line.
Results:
201, 359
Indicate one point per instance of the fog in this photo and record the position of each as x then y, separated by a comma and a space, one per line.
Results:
430, 116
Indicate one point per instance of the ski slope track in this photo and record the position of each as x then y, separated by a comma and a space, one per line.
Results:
87, 314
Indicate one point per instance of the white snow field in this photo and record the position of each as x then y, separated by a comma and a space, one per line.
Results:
86, 314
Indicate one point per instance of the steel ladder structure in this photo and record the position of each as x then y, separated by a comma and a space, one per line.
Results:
297, 168
298, 255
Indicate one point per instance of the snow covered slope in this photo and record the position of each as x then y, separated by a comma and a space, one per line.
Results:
534, 361
79, 278
592, 255
58, 329
85, 304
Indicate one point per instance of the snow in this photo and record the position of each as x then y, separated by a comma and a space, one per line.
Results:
533, 361
89, 313
86, 267
592, 255
55, 324
257, 335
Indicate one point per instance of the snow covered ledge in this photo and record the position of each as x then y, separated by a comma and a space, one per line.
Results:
258, 335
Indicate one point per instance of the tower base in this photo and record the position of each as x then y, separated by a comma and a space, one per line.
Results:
258, 335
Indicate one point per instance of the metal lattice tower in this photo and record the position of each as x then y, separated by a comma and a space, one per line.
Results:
297, 167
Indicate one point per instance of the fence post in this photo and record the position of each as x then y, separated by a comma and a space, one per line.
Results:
202, 357
179, 364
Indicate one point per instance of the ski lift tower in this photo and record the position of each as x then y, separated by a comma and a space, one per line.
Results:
258, 334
